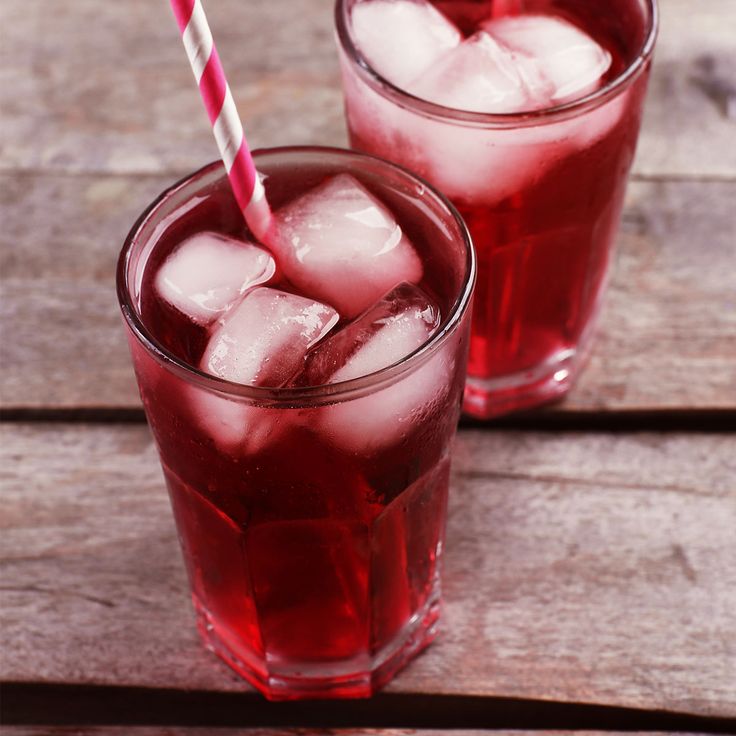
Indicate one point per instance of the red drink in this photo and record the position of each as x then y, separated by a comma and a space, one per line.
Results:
528, 122
310, 510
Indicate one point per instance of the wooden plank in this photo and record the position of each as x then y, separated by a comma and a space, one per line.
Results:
184, 731
121, 98
667, 331
690, 115
60, 241
666, 341
580, 568
193, 731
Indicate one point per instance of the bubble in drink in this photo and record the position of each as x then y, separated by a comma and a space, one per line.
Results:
340, 245
209, 271
403, 38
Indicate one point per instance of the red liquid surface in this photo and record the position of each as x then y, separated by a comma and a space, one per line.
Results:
307, 563
545, 247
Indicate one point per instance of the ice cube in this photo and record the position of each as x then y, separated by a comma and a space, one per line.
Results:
402, 38
209, 271
565, 56
393, 329
480, 76
340, 245
236, 426
473, 165
384, 418
384, 334
261, 342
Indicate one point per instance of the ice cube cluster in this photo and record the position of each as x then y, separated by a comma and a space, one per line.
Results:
509, 65
343, 303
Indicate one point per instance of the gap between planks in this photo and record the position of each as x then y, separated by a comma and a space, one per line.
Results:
89, 705
179, 173
540, 420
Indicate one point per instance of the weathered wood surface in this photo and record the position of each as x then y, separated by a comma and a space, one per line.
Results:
593, 569
84, 117
193, 731
690, 115
174, 731
580, 568
105, 87
667, 339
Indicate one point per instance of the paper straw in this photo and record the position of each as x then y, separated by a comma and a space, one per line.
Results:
224, 118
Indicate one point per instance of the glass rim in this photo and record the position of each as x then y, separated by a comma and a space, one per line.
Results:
468, 118
282, 395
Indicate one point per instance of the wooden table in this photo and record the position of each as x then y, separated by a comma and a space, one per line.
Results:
591, 557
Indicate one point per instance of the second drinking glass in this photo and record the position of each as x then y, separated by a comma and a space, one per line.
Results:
540, 181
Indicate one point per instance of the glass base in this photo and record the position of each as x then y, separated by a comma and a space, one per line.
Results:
358, 677
494, 397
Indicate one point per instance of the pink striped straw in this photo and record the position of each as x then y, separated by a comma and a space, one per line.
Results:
220, 106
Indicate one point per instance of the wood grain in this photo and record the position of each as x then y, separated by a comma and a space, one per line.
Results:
666, 342
690, 114
580, 568
174, 731
105, 87
122, 98
668, 330
193, 731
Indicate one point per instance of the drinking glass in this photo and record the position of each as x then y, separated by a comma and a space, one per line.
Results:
541, 192
313, 542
